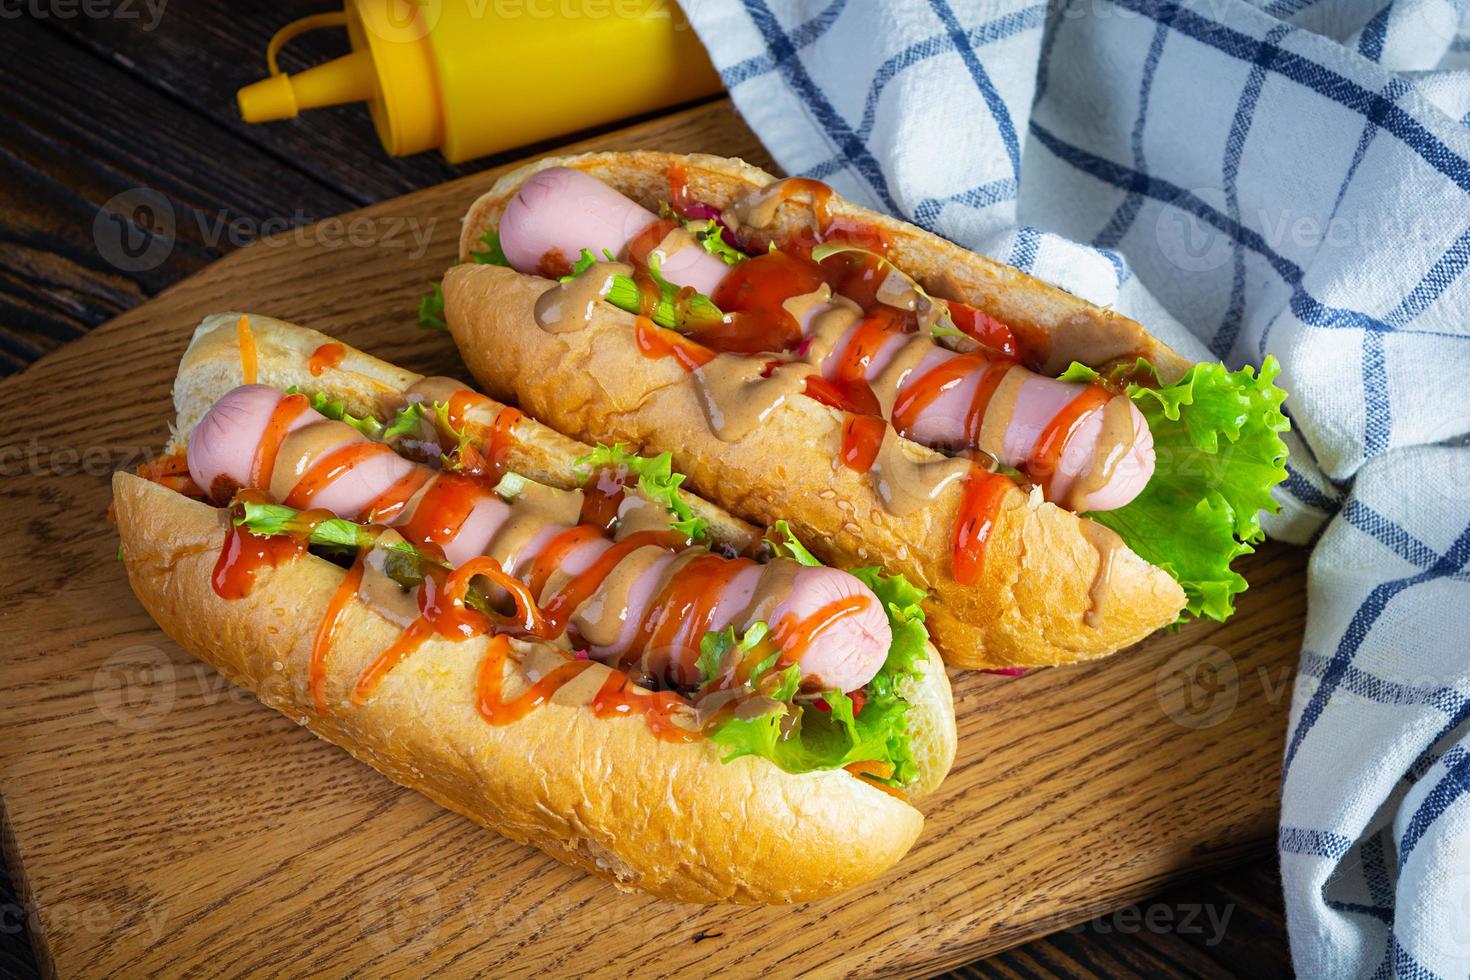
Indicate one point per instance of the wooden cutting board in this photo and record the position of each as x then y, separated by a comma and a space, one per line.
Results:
162, 821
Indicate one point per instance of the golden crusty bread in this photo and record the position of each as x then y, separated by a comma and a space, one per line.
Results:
211, 366
1038, 576
590, 791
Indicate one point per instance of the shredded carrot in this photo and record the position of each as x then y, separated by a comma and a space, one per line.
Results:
248, 357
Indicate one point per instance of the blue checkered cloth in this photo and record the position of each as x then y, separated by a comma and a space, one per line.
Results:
1289, 178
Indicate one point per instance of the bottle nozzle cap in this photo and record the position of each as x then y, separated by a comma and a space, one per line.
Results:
349, 78
268, 99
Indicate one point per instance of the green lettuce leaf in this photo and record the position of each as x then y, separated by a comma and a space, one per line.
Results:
715, 647
510, 486
656, 480
625, 296
405, 423
820, 740
785, 544
431, 309
461, 436
336, 409
273, 520
711, 238
492, 253
404, 563
1217, 438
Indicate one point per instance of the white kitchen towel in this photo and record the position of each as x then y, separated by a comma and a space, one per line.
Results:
1287, 178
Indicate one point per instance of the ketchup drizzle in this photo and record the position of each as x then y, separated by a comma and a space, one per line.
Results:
619, 696
794, 635
558, 609
326, 631
683, 612
444, 508
263, 465
326, 356
393, 500
862, 437
555, 553
329, 468
460, 405
1046, 456
924, 390
655, 342
489, 700
833, 396
244, 554
979, 509
986, 330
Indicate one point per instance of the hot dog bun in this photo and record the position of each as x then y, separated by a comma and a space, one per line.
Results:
590, 791
1041, 571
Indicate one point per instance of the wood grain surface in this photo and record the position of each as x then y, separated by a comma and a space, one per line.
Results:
163, 822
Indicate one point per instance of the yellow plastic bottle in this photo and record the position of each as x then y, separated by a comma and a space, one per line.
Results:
473, 77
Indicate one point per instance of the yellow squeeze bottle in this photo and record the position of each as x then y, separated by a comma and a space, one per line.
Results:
473, 77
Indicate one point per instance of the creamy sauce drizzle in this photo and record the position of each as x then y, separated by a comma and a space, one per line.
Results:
299, 451
600, 619
532, 510
676, 241
379, 591
904, 485
999, 413
1114, 442
1108, 544
758, 208
568, 306
895, 375
736, 398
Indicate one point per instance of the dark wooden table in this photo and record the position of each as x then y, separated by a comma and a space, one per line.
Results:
107, 98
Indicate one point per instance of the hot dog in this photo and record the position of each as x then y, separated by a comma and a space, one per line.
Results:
331, 465
930, 395
560, 212
895, 396
498, 616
